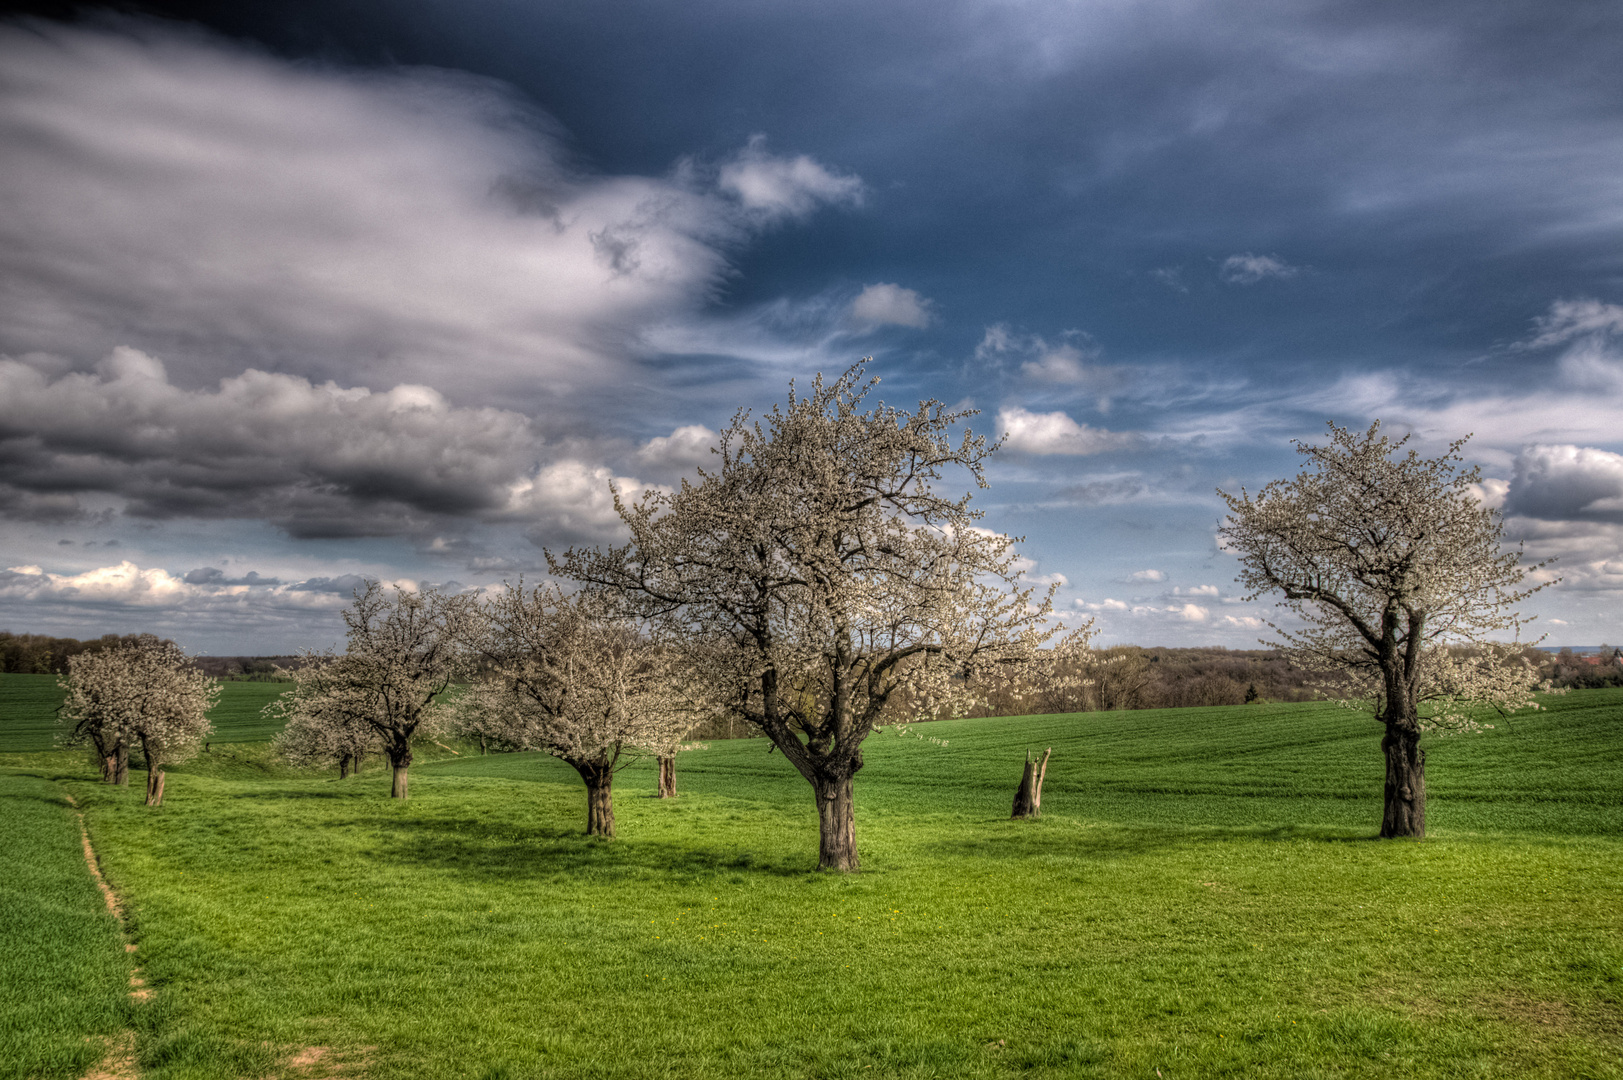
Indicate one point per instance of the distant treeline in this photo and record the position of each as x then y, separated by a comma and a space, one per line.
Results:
41, 654
245, 668
1131, 677
1587, 671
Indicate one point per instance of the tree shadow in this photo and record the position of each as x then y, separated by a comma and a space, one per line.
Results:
1025, 840
497, 850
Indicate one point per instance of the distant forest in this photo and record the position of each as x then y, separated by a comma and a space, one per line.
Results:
1133, 677
41, 654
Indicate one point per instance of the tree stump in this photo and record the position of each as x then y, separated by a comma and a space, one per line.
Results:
1028, 797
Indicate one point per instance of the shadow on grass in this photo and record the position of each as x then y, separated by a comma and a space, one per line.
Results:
1023, 840
494, 850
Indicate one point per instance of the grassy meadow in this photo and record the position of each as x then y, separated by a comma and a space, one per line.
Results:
1202, 897
28, 706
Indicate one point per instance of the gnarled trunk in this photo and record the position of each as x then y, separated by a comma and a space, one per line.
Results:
836, 823
667, 777
154, 785
599, 777
400, 761
1028, 797
1405, 810
121, 763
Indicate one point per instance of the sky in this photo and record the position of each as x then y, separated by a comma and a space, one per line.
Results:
296, 294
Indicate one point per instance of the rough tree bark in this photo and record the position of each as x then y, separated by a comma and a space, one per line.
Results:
400, 759
1404, 814
667, 777
599, 777
121, 763
1028, 797
836, 822
343, 766
155, 779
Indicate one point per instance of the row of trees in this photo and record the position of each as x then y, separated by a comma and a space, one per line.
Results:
41, 654
817, 585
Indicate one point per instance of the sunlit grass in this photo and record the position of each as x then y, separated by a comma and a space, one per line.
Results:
63, 973
1202, 897
28, 712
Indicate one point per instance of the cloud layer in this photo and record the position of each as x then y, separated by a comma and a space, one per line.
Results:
227, 210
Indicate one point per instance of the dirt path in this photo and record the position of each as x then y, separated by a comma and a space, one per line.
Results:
119, 1064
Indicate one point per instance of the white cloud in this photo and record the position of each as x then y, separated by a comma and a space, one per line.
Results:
1068, 361
1588, 555
128, 586
772, 188
1060, 364
885, 304
1568, 319
686, 446
1056, 433
1198, 590
1147, 575
1189, 612
571, 501
1490, 492
1242, 622
1171, 277
228, 210
1248, 269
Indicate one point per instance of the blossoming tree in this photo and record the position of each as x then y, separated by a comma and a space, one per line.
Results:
578, 677
145, 691
324, 717
404, 650
1397, 577
835, 588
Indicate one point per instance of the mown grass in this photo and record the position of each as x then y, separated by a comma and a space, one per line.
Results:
63, 971
28, 705
1202, 897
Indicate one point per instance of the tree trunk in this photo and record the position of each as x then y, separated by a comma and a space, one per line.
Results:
109, 768
836, 825
154, 785
400, 758
1028, 797
483, 749
121, 763
1405, 811
343, 766
599, 777
667, 777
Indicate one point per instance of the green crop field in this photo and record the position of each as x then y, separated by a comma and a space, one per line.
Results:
1202, 898
28, 712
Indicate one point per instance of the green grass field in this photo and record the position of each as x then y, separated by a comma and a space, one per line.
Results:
28, 712
1202, 898
63, 973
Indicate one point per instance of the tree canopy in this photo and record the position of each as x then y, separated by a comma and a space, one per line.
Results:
1399, 590
830, 586
143, 690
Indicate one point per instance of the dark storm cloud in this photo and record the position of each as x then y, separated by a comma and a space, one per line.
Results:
1567, 483
321, 460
